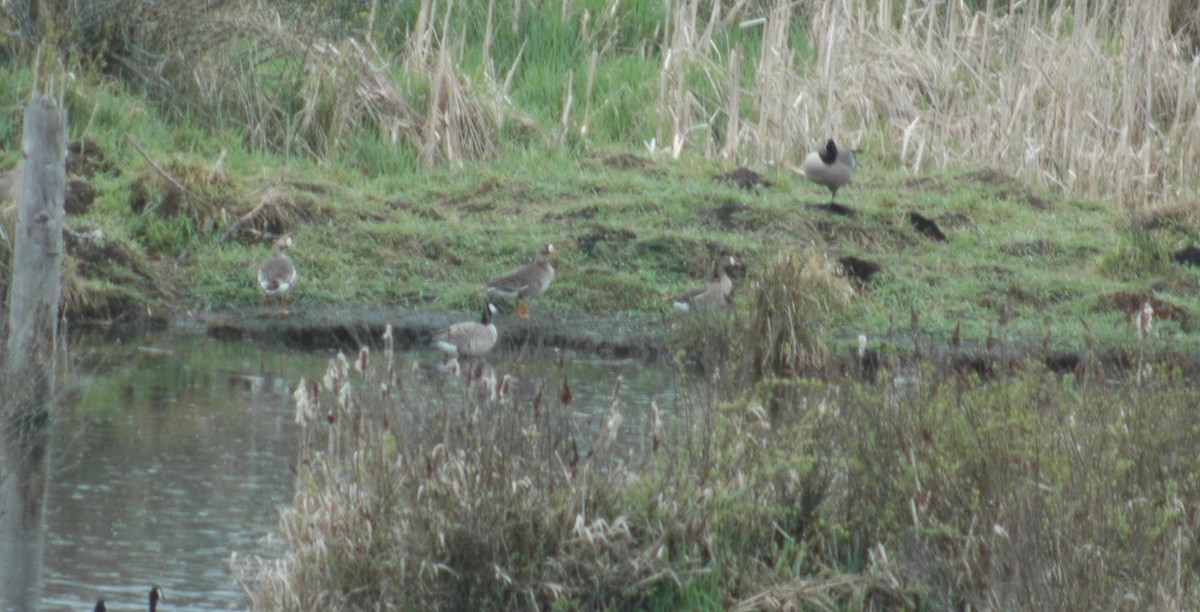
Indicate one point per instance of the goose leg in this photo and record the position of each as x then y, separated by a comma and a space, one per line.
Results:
522, 310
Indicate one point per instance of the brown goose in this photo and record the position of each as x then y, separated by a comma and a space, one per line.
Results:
524, 283
830, 167
713, 296
277, 275
468, 338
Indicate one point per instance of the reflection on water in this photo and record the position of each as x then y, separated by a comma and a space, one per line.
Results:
175, 451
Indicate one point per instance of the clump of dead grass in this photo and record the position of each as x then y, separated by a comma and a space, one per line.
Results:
452, 494
287, 76
291, 89
789, 310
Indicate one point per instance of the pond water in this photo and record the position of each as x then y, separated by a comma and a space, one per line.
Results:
172, 452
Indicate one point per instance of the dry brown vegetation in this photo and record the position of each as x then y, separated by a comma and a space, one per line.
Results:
1095, 98
920, 490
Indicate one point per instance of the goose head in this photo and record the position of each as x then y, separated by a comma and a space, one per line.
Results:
829, 153
488, 311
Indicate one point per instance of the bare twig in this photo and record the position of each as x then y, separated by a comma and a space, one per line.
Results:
246, 218
157, 167
212, 174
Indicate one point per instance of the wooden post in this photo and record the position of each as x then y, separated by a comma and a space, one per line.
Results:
30, 357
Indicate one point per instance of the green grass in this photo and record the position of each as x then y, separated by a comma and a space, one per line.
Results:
380, 230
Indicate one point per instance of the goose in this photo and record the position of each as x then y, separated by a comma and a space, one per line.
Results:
716, 295
524, 283
100, 606
155, 594
468, 338
277, 275
829, 167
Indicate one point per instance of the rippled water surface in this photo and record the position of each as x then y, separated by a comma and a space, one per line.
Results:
173, 452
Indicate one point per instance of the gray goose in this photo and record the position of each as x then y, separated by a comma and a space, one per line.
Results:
468, 338
716, 295
830, 167
277, 275
524, 283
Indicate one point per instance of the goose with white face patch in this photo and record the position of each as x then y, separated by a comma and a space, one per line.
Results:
277, 275
524, 283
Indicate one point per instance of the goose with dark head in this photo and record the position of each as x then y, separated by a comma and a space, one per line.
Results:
830, 167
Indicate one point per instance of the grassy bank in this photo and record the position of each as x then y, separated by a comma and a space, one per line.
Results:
414, 152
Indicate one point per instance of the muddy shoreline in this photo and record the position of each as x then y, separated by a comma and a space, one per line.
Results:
644, 337
641, 337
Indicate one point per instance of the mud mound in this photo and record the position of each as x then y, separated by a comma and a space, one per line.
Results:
85, 158
926, 227
860, 270
1130, 303
724, 214
744, 178
1189, 256
108, 280
600, 236
79, 196
625, 161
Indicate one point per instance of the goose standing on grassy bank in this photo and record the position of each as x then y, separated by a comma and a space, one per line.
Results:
830, 167
277, 275
712, 296
468, 338
524, 283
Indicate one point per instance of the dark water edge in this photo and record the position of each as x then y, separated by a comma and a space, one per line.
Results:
638, 336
